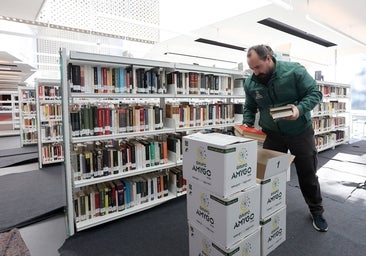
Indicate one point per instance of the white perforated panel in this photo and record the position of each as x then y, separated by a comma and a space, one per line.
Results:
131, 18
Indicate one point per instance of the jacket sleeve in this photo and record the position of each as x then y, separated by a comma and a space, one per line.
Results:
250, 106
308, 91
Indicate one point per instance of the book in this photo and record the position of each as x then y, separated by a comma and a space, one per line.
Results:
250, 132
281, 112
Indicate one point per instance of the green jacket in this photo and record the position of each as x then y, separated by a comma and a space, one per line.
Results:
290, 84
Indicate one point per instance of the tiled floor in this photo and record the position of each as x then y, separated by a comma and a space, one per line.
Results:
46, 237
43, 238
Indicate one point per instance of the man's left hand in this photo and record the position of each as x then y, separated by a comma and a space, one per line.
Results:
295, 113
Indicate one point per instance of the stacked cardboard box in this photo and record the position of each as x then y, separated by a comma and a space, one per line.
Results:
271, 176
223, 199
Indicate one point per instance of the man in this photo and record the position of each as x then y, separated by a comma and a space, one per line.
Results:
275, 83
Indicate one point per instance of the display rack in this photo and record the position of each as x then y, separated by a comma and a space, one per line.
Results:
331, 118
9, 113
49, 116
141, 149
28, 116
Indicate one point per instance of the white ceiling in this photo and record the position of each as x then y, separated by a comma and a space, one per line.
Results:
13, 71
236, 23
243, 30
27, 10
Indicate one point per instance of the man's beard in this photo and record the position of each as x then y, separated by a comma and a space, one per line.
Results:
264, 78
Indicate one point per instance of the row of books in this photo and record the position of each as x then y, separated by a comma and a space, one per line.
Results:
52, 152
177, 184
50, 111
118, 195
104, 119
330, 107
187, 114
329, 139
327, 123
29, 136
199, 83
175, 151
97, 159
28, 95
30, 122
46, 92
333, 91
51, 131
129, 79
136, 80
29, 108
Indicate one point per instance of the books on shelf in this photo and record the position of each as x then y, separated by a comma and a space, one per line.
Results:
104, 158
119, 195
123, 79
132, 79
28, 115
281, 112
177, 184
49, 113
185, 114
125, 163
104, 119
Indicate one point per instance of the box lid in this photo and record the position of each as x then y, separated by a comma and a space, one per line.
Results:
270, 162
218, 139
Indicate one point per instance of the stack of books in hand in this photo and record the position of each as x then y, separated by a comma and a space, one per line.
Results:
281, 112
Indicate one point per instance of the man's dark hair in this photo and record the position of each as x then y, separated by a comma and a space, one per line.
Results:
262, 50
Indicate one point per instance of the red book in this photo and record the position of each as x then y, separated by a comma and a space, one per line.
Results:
100, 120
41, 92
142, 118
82, 79
159, 185
107, 121
105, 79
165, 151
250, 132
97, 203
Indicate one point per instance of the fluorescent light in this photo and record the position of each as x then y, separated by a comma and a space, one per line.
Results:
283, 4
278, 25
216, 43
334, 30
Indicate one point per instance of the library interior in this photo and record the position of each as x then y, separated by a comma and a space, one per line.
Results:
185, 128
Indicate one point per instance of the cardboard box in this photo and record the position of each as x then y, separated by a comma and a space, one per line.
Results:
200, 244
224, 221
272, 162
271, 175
272, 194
220, 163
273, 231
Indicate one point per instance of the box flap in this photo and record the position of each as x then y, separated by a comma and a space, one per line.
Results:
272, 162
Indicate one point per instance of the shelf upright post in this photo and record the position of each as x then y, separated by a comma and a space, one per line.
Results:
67, 145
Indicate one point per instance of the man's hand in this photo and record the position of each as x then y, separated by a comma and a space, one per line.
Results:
295, 113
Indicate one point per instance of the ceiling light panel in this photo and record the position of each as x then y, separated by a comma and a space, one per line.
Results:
275, 24
220, 44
